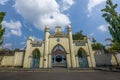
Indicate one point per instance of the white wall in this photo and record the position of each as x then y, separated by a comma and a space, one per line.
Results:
118, 56
103, 59
14, 60
18, 58
7, 61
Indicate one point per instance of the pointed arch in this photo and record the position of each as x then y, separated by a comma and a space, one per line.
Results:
36, 50
82, 58
58, 56
81, 53
57, 46
35, 58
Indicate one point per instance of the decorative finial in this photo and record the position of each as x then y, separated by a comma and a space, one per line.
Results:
30, 37
69, 26
46, 26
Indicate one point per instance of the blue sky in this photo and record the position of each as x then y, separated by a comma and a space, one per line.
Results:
26, 18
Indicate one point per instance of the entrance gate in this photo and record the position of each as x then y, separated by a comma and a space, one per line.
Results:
35, 59
58, 57
82, 59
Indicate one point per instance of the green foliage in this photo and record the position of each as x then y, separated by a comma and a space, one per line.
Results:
78, 35
113, 19
2, 30
116, 46
98, 46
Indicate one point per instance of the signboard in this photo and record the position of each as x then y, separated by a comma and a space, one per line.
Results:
81, 43
36, 44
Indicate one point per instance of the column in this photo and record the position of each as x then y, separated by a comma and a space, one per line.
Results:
41, 62
68, 60
77, 63
73, 63
46, 47
50, 61
91, 54
30, 62
89, 61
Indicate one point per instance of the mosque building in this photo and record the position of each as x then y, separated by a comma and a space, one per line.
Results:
57, 49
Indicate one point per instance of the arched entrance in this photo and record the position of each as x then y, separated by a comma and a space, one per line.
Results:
35, 59
82, 58
58, 56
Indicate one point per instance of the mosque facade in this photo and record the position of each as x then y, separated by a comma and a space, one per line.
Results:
57, 49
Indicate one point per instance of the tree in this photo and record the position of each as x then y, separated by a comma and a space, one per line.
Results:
113, 19
2, 30
114, 47
98, 46
78, 35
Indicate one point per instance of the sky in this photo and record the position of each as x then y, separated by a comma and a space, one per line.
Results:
26, 18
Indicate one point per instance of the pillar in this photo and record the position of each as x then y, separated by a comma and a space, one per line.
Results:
46, 47
91, 57
77, 63
50, 61
41, 62
73, 62
68, 60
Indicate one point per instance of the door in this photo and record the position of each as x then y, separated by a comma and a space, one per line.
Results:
82, 59
35, 59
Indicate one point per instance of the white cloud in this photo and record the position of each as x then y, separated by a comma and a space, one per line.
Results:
103, 28
36, 39
7, 45
94, 3
92, 34
43, 12
66, 4
2, 2
16, 32
13, 27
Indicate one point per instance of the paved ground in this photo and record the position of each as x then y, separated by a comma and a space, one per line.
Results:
60, 75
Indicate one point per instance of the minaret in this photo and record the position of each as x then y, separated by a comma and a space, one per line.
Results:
46, 47
73, 63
